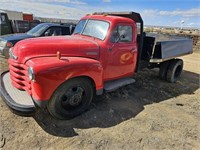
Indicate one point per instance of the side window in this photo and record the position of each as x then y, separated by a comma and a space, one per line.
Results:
122, 34
2, 19
65, 31
53, 31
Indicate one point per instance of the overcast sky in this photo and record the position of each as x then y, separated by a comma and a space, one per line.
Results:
154, 12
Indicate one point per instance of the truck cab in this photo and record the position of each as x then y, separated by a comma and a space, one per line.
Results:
64, 73
5, 24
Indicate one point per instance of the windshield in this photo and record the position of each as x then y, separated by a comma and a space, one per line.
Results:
38, 30
94, 28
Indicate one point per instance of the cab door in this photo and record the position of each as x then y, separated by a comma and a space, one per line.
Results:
122, 53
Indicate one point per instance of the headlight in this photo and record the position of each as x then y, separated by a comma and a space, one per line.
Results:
9, 44
12, 55
2, 43
31, 74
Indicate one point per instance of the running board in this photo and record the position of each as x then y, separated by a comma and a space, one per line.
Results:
115, 84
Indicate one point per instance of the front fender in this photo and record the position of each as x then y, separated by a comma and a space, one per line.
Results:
51, 72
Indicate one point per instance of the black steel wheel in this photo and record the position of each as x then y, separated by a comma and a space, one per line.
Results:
175, 70
71, 99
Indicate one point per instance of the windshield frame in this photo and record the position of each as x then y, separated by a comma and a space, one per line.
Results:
44, 26
86, 22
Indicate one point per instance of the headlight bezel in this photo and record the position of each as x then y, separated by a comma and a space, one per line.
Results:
31, 73
9, 44
11, 55
3, 43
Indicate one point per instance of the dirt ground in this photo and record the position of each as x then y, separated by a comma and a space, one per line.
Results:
150, 114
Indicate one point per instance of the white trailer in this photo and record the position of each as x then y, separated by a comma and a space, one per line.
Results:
14, 15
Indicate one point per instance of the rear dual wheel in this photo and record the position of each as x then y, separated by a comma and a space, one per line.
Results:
163, 70
171, 70
71, 99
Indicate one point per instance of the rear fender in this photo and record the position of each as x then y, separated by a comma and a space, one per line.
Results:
51, 72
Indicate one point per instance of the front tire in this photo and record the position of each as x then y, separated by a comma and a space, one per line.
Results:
71, 99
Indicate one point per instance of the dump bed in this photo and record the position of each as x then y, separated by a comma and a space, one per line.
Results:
166, 50
158, 48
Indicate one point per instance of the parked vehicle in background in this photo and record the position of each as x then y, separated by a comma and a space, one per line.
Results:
63, 74
16, 22
19, 22
5, 24
43, 29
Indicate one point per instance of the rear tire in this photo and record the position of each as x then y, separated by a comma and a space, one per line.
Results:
174, 70
163, 70
71, 99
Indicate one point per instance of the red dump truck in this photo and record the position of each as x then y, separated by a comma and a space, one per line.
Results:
63, 74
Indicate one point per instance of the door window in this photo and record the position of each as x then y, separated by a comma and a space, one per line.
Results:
65, 30
2, 19
122, 33
54, 31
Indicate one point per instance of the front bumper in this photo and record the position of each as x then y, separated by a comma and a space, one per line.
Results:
19, 101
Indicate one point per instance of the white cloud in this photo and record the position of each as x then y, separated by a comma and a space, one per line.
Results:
194, 12
44, 9
107, 1
187, 13
193, 24
59, 1
76, 2
172, 18
58, 9
149, 13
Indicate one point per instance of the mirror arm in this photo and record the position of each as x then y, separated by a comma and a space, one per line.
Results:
110, 49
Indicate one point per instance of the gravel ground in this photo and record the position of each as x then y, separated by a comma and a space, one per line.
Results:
150, 114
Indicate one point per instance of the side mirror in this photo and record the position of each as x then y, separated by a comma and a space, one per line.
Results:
119, 38
115, 37
116, 40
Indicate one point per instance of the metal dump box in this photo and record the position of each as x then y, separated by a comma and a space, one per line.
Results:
165, 50
159, 47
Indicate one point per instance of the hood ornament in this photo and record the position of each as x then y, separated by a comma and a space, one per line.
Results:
58, 54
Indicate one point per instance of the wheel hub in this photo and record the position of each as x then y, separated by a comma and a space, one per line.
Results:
75, 100
74, 96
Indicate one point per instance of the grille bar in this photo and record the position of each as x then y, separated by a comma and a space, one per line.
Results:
19, 76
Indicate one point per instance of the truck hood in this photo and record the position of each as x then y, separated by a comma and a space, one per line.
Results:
71, 46
14, 38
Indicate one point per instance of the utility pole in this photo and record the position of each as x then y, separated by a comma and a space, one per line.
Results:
182, 22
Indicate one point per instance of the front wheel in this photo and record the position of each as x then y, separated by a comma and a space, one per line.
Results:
71, 99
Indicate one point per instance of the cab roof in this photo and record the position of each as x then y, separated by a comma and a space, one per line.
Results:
108, 18
132, 15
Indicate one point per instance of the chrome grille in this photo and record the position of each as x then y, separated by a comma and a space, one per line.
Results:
19, 76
